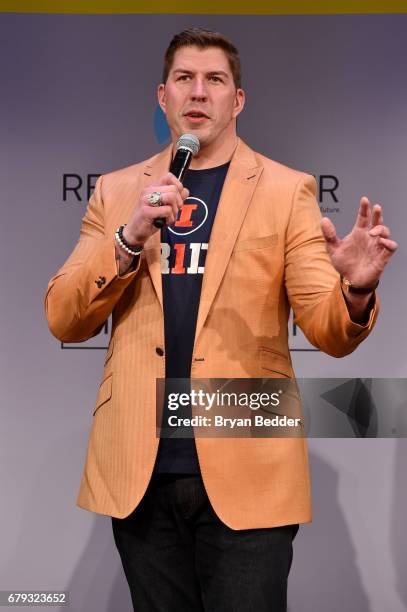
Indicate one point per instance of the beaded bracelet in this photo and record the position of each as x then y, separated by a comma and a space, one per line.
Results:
121, 241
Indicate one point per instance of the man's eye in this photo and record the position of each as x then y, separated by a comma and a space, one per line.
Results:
216, 79
183, 77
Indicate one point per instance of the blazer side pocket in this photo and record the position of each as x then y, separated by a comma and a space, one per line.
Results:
276, 366
276, 362
109, 350
105, 392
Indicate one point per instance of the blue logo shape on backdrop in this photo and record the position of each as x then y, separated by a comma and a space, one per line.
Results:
161, 129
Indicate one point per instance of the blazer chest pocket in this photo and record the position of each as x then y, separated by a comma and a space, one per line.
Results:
105, 392
252, 244
275, 362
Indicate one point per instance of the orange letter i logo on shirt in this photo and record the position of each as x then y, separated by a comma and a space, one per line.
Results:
185, 215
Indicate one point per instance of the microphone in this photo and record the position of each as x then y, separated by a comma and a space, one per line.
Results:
187, 146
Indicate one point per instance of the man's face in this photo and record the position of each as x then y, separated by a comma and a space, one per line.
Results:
200, 96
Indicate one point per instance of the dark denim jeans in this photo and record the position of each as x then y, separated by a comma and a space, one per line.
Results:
179, 557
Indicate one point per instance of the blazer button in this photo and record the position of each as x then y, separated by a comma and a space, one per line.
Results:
159, 351
101, 281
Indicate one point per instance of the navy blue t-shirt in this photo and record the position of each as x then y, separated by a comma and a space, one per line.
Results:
184, 247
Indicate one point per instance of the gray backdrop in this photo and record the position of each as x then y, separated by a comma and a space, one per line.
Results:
325, 94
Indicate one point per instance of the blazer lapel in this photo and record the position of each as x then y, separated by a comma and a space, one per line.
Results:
240, 183
154, 169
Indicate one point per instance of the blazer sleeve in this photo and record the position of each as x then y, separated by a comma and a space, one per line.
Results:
312, 283
84, 292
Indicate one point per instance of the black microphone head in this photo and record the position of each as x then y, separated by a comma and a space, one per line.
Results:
189, 142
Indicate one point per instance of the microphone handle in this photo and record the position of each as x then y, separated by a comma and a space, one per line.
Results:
178, 168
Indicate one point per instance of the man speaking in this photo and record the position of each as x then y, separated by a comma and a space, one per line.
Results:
207, 524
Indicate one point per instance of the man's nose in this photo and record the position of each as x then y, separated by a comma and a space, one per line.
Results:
198, 90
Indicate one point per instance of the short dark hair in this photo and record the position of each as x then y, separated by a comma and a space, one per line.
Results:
203, 39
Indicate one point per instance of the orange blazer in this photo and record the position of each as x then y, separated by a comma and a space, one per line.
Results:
266, 253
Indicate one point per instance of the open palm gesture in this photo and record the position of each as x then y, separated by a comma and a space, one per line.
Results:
361, 255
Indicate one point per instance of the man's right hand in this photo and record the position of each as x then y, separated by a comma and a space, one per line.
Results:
141, 224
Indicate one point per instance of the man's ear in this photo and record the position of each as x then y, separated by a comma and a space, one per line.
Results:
161, 96
240, 99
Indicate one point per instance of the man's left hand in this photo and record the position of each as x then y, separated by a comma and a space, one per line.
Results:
361, 255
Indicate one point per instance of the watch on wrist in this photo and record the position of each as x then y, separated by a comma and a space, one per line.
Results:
349, 287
